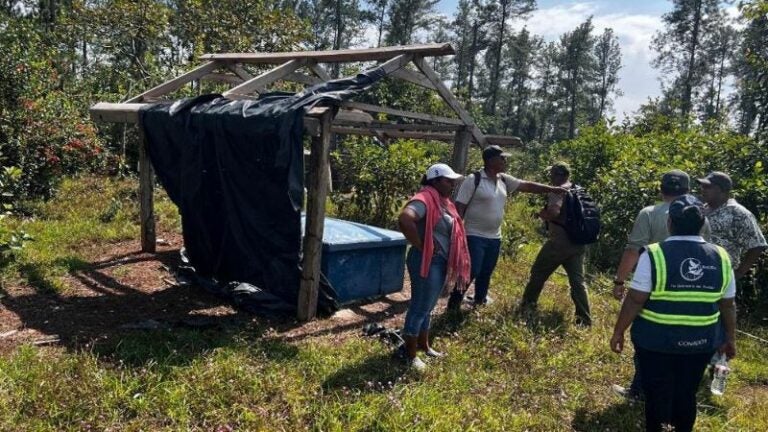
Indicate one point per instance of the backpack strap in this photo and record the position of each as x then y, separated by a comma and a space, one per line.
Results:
476, 179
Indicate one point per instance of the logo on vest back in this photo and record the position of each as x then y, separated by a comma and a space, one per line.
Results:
691, 269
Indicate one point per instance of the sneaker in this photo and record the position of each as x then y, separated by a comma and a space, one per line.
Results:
627, 393
417, 364
434, 354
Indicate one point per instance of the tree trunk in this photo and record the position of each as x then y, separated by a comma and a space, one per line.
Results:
688, 84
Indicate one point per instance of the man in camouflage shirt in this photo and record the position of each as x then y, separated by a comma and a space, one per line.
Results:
733, 226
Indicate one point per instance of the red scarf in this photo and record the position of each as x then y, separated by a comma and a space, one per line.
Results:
458, 254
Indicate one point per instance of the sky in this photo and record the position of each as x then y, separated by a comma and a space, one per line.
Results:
633, 21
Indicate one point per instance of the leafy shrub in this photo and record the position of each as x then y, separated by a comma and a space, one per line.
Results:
622, 171
372, 181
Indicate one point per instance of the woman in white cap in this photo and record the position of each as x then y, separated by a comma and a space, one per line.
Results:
438, 258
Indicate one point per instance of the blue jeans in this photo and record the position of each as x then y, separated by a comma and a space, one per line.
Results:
484, 253
424, 291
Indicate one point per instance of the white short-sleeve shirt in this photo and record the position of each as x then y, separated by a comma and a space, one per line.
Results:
485, 211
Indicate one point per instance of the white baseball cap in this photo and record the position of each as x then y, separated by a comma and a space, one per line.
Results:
441, 170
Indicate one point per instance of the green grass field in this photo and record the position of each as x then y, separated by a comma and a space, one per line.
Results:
500, 374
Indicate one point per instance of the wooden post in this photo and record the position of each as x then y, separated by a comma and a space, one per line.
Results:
461, 150
317, 192
146, 195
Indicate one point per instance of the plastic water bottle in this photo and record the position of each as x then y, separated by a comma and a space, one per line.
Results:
721, 374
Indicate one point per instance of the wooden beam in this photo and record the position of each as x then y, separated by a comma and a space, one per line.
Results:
259, 82
225, 78
315, 220
319, 71
396, 63
461, 150
176, 83
411, 127
422, 135
504, 140
413, 77
116, 112
337, 56
401, 113
146, 196
302, 78
239, 71
450, 99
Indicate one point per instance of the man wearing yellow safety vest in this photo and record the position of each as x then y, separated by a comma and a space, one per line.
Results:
682, 289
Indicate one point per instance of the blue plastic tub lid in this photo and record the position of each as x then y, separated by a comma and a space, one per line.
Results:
344, 235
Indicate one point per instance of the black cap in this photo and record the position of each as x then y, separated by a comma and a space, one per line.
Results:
493, 151
719, 179
679, 209
675, 182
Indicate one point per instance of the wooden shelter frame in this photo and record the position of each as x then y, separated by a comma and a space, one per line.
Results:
353, 118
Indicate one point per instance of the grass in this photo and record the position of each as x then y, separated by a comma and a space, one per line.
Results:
502, 373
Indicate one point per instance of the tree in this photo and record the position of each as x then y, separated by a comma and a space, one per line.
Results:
500, 11
752, 71
378, 16
608, 63
578, 66
688, 29
471, 29
406, 18
720, 57
520, 54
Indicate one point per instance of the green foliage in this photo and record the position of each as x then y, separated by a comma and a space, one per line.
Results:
622, 170
374, 181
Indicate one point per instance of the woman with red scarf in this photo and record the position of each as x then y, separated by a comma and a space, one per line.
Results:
438, 258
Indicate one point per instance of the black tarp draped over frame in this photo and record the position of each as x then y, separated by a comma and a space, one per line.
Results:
235, 170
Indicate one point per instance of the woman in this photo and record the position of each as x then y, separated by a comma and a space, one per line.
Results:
681, 299
438, 256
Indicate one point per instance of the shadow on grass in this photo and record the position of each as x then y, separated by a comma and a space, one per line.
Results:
541, 322
133, 321
620, 418
377, 373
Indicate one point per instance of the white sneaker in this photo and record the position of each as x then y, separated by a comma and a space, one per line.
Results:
418, 365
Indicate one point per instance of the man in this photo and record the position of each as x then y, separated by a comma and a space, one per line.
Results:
681, 292
733, 226
650, 227
482, 208
559, 250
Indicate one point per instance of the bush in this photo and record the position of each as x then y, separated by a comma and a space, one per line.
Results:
622, 171
372, 181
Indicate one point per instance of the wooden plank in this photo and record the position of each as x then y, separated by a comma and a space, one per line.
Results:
423, 135
461, 150
504, 140
412, 127
319, 71
337, 56
396, 63
239, 71
449, 99
116, 112
259, 82
146, 196
176, 83
302, 78
401, 113
413, 77
315, 220
225, 78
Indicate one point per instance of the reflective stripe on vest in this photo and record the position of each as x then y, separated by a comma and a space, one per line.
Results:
659, 292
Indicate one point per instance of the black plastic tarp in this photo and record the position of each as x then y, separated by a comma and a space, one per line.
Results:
235, 170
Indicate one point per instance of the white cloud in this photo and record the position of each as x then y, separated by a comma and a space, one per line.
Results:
638, 79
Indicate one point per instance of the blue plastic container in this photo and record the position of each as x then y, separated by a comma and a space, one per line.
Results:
362, 261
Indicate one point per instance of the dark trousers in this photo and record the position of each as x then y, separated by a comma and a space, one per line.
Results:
551, 256
484, 254
670, 382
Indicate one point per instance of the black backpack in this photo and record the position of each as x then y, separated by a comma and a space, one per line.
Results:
582, 216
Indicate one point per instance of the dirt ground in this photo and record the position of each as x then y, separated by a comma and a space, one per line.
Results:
122, 289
